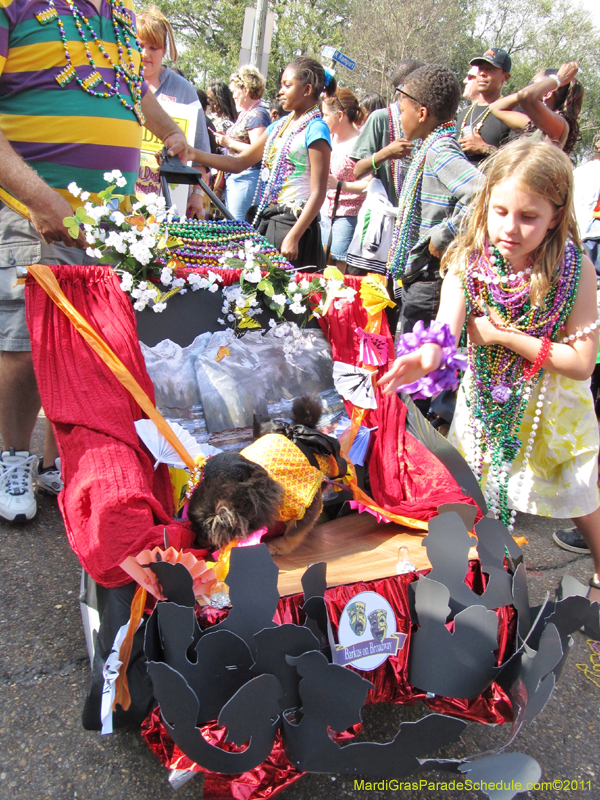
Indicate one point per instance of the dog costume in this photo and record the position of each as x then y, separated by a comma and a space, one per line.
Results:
290, 465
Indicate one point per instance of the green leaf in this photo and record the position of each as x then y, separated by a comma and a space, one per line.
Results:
262, 286
268, 288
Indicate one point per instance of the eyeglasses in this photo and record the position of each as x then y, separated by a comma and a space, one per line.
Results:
398, 88
414, 99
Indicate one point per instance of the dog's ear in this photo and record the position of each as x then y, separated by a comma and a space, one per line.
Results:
261, 496
307, 410
261, 425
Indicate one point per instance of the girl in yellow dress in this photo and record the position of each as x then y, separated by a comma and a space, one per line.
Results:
525, 417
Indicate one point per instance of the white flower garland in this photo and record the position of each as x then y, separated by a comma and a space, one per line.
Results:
133, 245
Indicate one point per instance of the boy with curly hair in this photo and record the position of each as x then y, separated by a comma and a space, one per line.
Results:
437, 188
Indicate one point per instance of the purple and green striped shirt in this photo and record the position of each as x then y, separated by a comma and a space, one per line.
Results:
65, 134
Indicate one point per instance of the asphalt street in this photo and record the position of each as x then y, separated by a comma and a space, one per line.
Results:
45, 753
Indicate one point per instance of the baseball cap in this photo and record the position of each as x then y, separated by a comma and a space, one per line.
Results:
495, 56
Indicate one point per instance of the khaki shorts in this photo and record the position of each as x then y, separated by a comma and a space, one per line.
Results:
21, 245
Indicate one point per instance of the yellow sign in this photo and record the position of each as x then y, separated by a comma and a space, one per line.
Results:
152, 144
148, 179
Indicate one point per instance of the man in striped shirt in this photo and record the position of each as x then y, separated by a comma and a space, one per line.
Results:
437, 189
72, 105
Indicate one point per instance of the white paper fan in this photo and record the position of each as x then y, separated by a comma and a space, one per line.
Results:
161, 449
354, 384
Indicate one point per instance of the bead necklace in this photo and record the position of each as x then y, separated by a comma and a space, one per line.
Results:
276, 166
479, 122
124, 69
401, 237
204, 243
398, 166
501, 381
585, 331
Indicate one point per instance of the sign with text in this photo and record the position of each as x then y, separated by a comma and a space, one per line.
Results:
335, 55
148, 180
367, 632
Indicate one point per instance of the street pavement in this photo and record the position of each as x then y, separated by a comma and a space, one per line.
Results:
44, 671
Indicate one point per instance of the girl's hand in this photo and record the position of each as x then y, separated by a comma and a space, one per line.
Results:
567, 72
332, 181
289, 247
481, 331
222, 139
411, 367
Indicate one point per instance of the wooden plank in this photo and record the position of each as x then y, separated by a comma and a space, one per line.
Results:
356, 548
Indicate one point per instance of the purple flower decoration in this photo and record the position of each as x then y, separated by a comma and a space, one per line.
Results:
501, 393
437, 333
445, 376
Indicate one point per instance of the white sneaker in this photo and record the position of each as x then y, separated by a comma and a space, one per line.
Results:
17, 501
48, 478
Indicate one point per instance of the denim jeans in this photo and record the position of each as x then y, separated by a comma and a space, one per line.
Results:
420, 301
343, 231
240, 192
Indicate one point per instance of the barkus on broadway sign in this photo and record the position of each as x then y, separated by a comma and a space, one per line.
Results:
367, 632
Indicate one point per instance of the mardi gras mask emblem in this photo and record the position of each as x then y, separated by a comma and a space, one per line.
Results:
357, 618
378, 623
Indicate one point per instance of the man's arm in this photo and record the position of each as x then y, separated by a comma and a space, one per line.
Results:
47, 208
372, 145
161, 125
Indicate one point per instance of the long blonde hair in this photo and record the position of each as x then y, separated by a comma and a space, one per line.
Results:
544, 170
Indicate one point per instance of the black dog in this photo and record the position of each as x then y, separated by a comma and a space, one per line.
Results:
238, 495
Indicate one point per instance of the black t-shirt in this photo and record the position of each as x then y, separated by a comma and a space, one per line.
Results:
492, 131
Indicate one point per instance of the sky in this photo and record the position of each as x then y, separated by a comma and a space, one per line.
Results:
593, 8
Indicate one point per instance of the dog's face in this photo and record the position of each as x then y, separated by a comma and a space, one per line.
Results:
235, 497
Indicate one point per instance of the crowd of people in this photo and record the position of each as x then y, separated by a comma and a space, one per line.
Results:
484, 194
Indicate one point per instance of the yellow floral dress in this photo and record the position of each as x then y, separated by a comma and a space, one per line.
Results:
288, 465
561, 476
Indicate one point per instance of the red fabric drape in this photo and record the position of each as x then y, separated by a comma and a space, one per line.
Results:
114, 503
406, 478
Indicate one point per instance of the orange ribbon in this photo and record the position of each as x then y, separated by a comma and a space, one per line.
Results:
122, 696
47, 280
